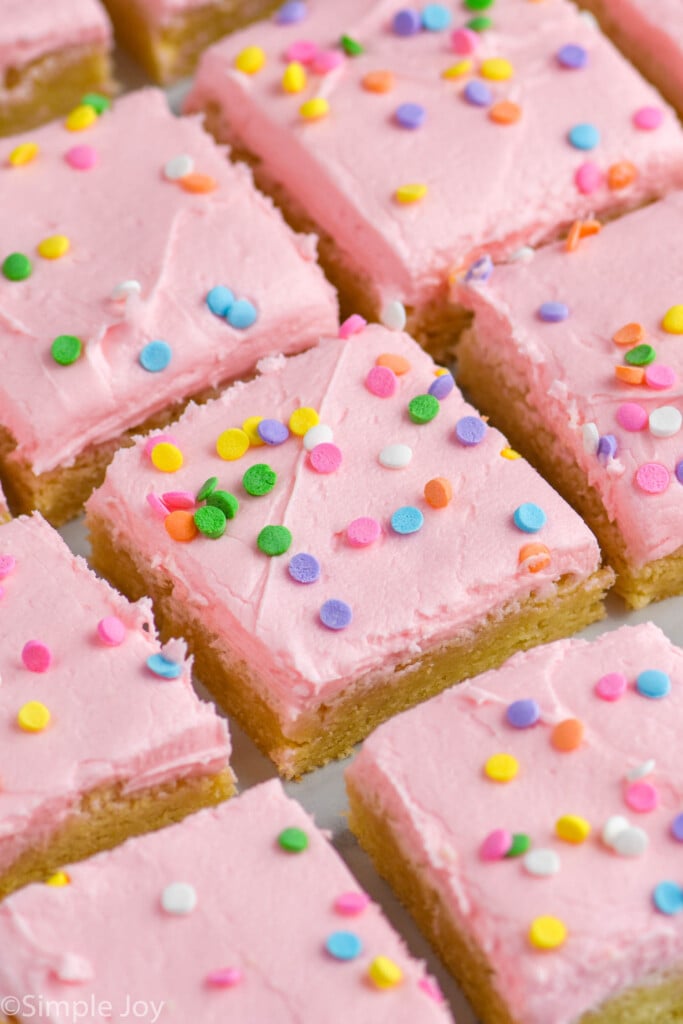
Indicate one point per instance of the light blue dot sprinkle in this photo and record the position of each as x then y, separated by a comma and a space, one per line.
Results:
407, 519
584, 136
155, 356
436, 18
164, 667
553, 312
219, 300
242, 314
653, 683
668, 898
529, 518
344, 945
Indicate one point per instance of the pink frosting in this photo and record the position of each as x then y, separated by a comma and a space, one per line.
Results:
125, 221
406, 593
615, 936
112, 720
490, 186
252, 951
568, 369
31, 30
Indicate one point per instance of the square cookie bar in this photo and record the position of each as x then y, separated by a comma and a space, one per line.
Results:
101, 733
337, 541
140, 268
415, 140
51, 53
577, 357
240, 913
547, 869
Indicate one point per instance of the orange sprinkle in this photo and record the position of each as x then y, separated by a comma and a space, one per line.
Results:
378, 81
181, 525
567, 735
399, 364
198, 183
505, 112
629, 334
590, 227
630, 374
621, 175
438, 492
534, 556
574, 237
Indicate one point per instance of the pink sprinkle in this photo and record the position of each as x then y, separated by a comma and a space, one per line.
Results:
351, 903
464, 41
178, 499
36, 657
157, 505
660, 377
642, 797
496, 844
588, 177
224, 977
648, 118
352, 325
325, 457
431, 988
612, 686
156, 439
82, 158
326, 61
363, 531
2, 593
303, 51
8, 564
653, 477
111, 631
381, 381
632, 416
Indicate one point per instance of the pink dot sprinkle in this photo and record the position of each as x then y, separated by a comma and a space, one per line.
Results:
632, 416
8, 564
111, 631
224, 977
612, 686
351, 903
352, 325
660, 377
642, 797
36, 657
178, 499
152, 442
326, 61
303, 51
363, 531
82, 158
588, 177
648, 118
431, 988
464, 41
496, 844
381, 381
325, 457
653, 477
157, 505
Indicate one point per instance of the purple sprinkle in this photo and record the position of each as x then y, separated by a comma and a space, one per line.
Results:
470, 430
677, 828
481, 270
407, 22
679, 472
291, 13
442, 386
553, 312
607, 448
304, 568
272, 431
478, 93
410, 115
572, 56
523, 713
336, 614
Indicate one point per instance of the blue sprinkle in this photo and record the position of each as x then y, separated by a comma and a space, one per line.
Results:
442, 386
653, 683
523, 713
584, 136
163, 666
219, 300
436, 18
410, 115
407, 22
242, 314
344, 945
470, 430
679, 472
272, 432
304, 568
481, 270
291, 13
677, 828
336, 614
406, 520
529, 518
607, 448
572, 56
553, 312
478, 93
155, 356
668, 898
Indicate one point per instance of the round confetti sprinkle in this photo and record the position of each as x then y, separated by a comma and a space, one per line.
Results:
59, 879
304, 568
553, 312
178, 499
481, 270
641, 355
410, 115
567, 735
459, 69
407, 520
382, 382
291, 12
679, 472
156, 439
384, 973
501, 768
629, 334
66, 349
302, 420
423, 408
613, 827
33, 716
505, 112
125, 290
541, 863
673, 320
395, 456
607, 448
480, 24
24, 153
584, 136
653, 683
394, 317
211, 521
155, 356
82, 158
572, 56
631, 842
353, 324
668, 898
250, 428
520, 845
166, 457
99, 103
326, 61
640, 771
302, 50
178, 167
224, 977
179, 898
629, 375
344, 945
336, 614
547, 933
17, 267
591, 438
677, 828
351, 903
529, 518
207, 488
611, 686
438, 492
54, 247
522, 714
470, 431
407, 22
621, 175
665, 421
242, 314
411, 193
164, 667
496, 69
378, 81
226, 502
572, 829
315, 109
660, 377
8, 564
274, 540
272, 432
436, 18
180, 526
111, 631
232, 444
250, 60
653, 477
36, 656
647, 119
534, 557
80, 118
259, 480
632, 416
294, 77
351, 47
363, 531
588, 177
220, 300
293, 840
496, 845
399, 364
325, 458
464, 41
478, 94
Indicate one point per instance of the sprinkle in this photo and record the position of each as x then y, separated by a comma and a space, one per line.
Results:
631, 416
501, 768
58, 880
125, 289
393, 317
406, 22
207, 488
351, 47
178, 167
522, 714
320, 434
629, 375
611, 686
198, 184
250, 428
8, 564
410, 115
612, 827
382, 382
163, 667
660, 377
665, 421
436, 18
677, 828
274, 540
399, 364
343, 945
211, 521
99, 103
520, 844
291, 12
588, 178
547, 933
224, 977
180, 525
111, 631
220, 300
629, 334
395, 456
591, 438
463, 67
326, 61
302, 50
293, 840
226, 502
336, 614
242, 314
541, 863
302, 420
640, 771
653, 683
17, 267
304, 568
232, 444
36, 656
54, 247
653, 477
423, 408
584, 136
438, 492
156, 439
647, 119
481, 270
179, 898
534, 557
272, 432
384, 973
259, 479
479, 24
470, 431
378, 81
166, 457
80, 118
250, 60
672, 322
155, 356
408, 194
679, 472
33, 717
363, 531
24, 153
82, 158
157, 505
407, 520
496, 845
607, 448
553, 312
529, 518
294, 77
572, 56
496, 69
315, 109
572, 829
464, 41
668, 898
478, 94
621, 175
325, 458
505, 112
567, 736
631, 842
351, 903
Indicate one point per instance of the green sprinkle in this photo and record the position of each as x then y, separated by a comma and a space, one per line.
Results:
259, 479
66, 349
207, 488
479, 5
210, 521
520, 844
293, 840
97, 101
17, 267
274, 540
226, 502
423, 408
350, 47
480, 24
641, 355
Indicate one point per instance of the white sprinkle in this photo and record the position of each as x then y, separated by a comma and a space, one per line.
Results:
665, 421
319, 434
394, 316
179, 898
178, 166
73, 969
631, 842
590, 18
395, 456
591, 438
541, 863
523, 255
614, 826
641, 770
126, 288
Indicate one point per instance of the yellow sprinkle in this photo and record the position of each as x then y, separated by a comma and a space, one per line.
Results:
673, 320
302, 420
496, 69
410, 193
501, 767
33, 717
463, 67
80, 118
250, 60
167, 457
24, 153
59, 878
315, 109
510, 453
384, 973
572, 829
294, 78
250, 428
547, 932
232, 444
54, 247
440, 371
